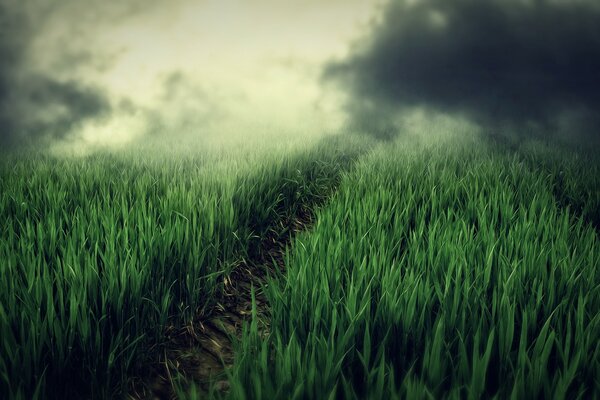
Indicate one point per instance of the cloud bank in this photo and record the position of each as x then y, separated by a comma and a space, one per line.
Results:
95, 73
525, 65
38, 100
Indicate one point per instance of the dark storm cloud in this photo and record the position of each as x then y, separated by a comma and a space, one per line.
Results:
497, 62
41, 103
12, 40
35, 104
47, 107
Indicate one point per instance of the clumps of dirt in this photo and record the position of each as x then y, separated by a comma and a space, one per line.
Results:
201, 351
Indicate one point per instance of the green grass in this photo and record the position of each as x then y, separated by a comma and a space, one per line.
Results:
573, 175
99, 253
441, 268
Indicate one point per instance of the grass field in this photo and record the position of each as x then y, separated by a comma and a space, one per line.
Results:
99, 253
439, 269
437, 266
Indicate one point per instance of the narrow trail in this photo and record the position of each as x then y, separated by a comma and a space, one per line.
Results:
202, 350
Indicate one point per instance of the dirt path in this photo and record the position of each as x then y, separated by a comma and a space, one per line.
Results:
201, 351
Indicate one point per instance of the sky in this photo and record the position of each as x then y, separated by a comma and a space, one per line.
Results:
530, 67
95, 73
